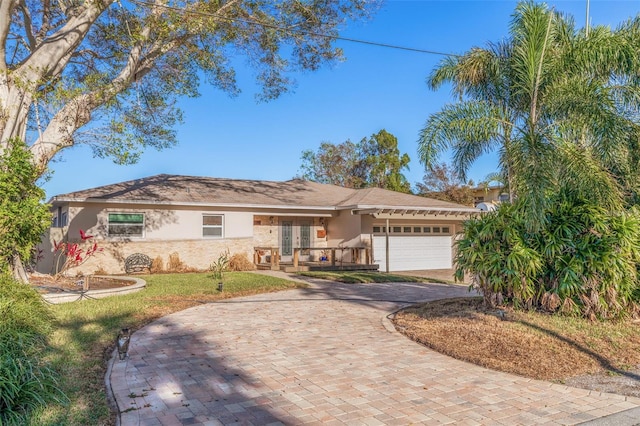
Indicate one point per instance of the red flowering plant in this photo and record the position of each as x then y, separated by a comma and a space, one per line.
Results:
73, 255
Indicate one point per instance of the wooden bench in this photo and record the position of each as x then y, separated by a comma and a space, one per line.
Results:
137, 262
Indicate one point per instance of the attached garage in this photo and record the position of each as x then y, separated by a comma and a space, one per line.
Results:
408, 253
411, 237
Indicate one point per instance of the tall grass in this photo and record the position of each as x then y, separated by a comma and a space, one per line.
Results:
26, 382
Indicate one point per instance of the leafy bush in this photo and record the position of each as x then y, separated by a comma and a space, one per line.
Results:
26, 382
23, 217
582, 260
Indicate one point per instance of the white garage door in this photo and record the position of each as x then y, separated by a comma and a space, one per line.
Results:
413, 253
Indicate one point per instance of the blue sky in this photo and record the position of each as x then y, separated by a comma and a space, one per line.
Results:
375, 88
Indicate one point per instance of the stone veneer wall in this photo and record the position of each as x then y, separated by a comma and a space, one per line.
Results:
194, 254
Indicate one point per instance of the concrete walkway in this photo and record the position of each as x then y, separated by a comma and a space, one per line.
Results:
325, 355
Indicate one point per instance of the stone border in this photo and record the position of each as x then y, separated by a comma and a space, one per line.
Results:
72, 296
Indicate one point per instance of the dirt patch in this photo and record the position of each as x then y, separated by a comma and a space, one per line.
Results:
47, 283
599, 356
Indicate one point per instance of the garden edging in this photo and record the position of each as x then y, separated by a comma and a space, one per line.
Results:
72, 296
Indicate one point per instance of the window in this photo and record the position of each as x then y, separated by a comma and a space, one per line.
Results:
126, 224
413, 229
212, 226
59, 219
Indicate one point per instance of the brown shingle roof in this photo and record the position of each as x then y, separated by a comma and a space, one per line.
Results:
173, 189
379, 196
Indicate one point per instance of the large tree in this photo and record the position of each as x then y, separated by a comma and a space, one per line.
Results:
443, 183
560, 107
114, 69
108, 73
333, 164
373, 162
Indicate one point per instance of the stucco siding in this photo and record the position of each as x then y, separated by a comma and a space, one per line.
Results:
159, 224
344, 229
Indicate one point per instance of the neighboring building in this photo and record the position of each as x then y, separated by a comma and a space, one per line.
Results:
199, 217
488, 197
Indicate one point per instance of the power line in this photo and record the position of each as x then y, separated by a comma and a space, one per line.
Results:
303, 32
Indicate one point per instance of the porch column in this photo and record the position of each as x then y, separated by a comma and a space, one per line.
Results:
386, 239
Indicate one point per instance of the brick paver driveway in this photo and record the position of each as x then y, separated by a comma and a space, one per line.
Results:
324, 356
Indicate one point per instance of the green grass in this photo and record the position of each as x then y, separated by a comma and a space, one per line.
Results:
354, 277
84, 334
26, 381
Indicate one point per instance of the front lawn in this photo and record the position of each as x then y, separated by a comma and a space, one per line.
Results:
85, 332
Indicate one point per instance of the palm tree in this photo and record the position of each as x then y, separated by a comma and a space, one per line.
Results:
558, 106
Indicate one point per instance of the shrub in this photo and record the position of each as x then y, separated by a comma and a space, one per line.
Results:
175, 264
23, 216
582, 260
240, 262
73, 255
157, 265
26, 382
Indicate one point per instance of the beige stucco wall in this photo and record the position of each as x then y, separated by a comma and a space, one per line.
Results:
177, 223
167, 230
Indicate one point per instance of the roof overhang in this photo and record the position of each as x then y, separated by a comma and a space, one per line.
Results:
409, 212
274, 209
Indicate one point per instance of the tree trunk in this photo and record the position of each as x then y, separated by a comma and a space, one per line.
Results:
18, 270
15, 105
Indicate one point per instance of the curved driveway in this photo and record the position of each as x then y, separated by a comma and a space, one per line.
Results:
324, 355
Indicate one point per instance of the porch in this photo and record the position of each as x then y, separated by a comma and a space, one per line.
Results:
328, 258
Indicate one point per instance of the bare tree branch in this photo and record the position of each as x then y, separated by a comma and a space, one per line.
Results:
6, 9
28, 24
58, 48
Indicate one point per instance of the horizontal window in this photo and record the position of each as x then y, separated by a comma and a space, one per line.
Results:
126, 224
212, 226
414, 230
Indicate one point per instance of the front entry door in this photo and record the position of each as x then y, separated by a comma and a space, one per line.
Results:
286, 240
305, 240
294, 234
